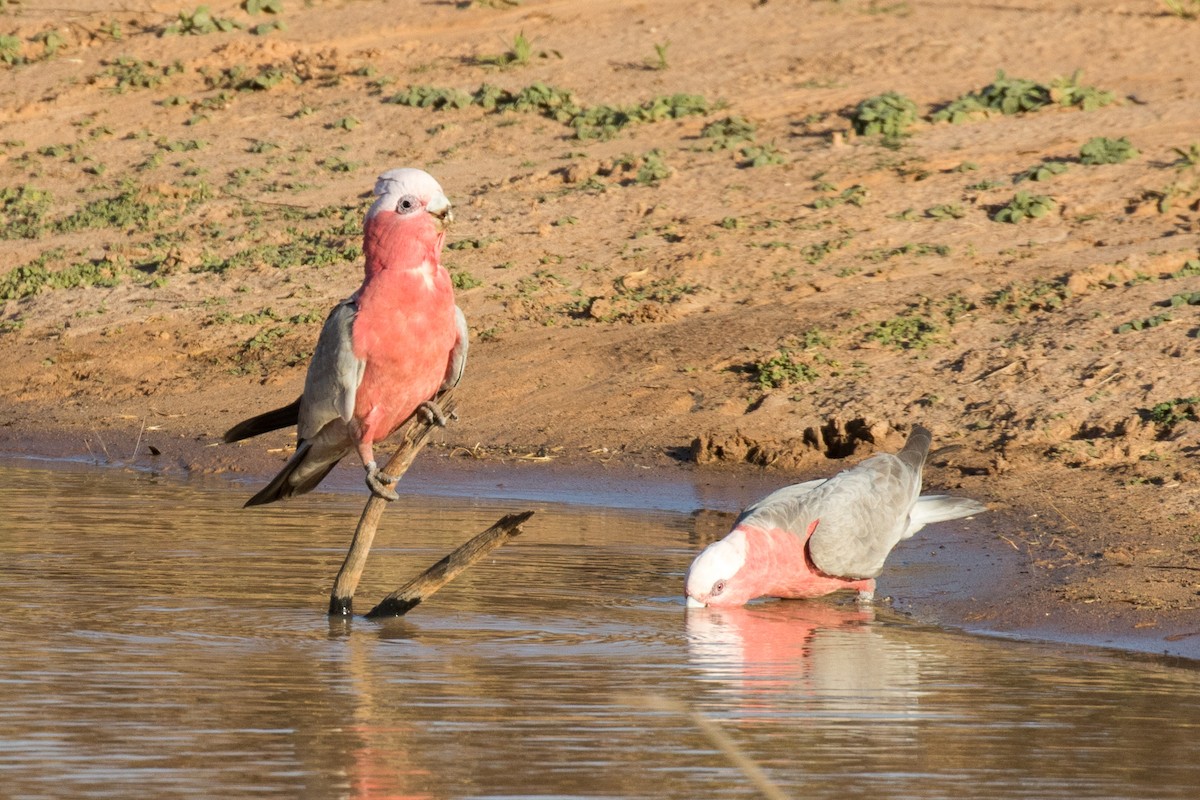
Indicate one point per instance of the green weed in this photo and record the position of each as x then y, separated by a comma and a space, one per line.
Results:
588, 122
464, 280
761, 155
1184, 299
1189, 269
242, 79
254, 7
1143, 324
22, 212
518, 54
729, 133
854, 195
1042, 172
653, 168
890, 114
200, 22
1103, 150
1189, 158
34, 277
1025, 206
1007, 95
1170, 413
911, 249
946, 211
906, 332
782, 369
10, 51
1184, 9
660, 56
125, 211
131, 73
1040, 295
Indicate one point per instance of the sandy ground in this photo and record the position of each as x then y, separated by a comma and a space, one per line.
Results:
717, 276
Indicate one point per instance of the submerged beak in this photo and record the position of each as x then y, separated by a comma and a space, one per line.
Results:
694, 603
439, 208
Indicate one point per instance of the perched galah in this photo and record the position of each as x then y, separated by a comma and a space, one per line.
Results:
383, 353
817, 537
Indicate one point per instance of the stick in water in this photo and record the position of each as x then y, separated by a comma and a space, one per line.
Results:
404, 599
416, 433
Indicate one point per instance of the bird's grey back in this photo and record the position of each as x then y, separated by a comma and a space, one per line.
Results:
861, 513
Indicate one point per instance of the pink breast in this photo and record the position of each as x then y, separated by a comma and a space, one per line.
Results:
786, 570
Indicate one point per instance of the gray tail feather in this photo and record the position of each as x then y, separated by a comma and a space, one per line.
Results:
272, 420
942, 507
281, 486
916, 448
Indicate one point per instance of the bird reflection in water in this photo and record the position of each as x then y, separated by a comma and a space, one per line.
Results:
830, 657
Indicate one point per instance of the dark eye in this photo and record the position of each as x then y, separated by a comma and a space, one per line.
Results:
406, 204
718, 587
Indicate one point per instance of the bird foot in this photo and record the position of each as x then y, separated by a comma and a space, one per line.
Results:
866, 595
380, 483
433, 414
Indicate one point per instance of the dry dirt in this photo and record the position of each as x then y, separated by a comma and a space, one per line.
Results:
179, 211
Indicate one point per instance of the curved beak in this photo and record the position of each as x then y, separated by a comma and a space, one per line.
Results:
694, 603
439, 207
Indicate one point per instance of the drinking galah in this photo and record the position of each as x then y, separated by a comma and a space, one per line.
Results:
382, 354
820, 536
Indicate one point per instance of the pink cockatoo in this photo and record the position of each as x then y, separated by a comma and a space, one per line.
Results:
817, 537
382, 354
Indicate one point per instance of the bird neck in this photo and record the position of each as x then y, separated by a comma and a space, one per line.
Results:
392, 242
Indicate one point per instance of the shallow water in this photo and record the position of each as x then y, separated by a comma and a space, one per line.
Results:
158, 641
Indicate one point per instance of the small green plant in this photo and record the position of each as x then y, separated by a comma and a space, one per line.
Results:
761, 155
263, 6
518, 54
1040, 295
729, 133
50, 40
200, 22
784, 368
1170, 413
1184, 9
30, 279
1189, 158
1190, 267
10, 50
1184, 299
906, 332
1025, 206
890, 114
1143, 324
653, 168
1007, 95
594, 122
854, 195
1042, 172
131, 73
464, 280
1103, 150
22, 212
946, 211
660, 54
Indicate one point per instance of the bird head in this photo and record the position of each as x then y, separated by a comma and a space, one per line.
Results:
410, 192
717, 577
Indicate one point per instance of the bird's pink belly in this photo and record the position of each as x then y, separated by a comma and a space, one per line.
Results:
405, 367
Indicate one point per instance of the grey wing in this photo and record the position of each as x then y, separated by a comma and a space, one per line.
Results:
334, 373
863, 513
458, 356
784, 508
